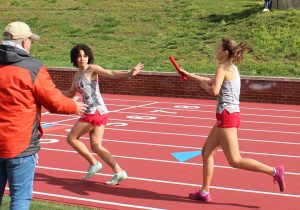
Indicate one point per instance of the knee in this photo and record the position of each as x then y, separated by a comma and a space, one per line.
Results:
96, 147
70, 140
235, 163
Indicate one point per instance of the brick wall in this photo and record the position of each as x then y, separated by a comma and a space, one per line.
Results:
254, 89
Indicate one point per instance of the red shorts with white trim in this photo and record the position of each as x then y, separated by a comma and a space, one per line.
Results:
95, 119
228, 120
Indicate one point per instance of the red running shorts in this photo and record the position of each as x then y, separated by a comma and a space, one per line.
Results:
95, 119
228, 120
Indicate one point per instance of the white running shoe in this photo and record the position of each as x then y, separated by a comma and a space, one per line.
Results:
93, 169
117, 178
266, 10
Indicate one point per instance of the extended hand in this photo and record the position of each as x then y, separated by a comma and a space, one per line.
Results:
81, 107
137, 69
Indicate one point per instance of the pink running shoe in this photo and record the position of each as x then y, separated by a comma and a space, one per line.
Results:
279, 177
197, 196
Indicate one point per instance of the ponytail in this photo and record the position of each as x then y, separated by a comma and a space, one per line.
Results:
235, 51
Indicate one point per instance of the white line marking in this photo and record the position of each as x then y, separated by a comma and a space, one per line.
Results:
44, 113
183, 184
191, 135
59, 122
199, 118
91, 200
204, 126
213, 119
153, 160
180, 134
199, 104
213, 111
132, 107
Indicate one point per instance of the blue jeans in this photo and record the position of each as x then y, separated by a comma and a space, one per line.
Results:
19, 172
268, 4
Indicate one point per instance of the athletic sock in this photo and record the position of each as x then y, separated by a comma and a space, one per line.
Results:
204, 193
274, 169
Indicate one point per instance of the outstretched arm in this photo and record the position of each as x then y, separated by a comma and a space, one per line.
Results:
118, 74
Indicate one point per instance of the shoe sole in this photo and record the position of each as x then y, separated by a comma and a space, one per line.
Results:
120, 180
193, 196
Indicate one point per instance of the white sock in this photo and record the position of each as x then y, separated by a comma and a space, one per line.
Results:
204, 193
274, 169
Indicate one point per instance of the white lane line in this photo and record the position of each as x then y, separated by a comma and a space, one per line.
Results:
177, 124
213, 111
213, 119
44, 113
132, 107
199, 104
197, 118
59, 122
182, 183
90, 200
153, 160
182, 134
204, 126
197, 136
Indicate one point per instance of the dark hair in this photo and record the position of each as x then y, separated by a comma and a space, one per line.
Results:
74, 53
235, 51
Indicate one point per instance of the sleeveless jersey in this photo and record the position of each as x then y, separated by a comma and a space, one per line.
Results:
229, 96
90, 92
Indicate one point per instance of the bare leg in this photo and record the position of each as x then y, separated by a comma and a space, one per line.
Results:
209, 149
229, 142
96, 135
79, 129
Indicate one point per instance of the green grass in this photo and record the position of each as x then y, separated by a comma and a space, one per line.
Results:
122, 33
38, 205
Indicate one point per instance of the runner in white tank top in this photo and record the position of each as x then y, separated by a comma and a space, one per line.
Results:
95, 118
226, 85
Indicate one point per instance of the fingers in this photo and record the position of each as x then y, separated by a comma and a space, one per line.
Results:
183, 71
81, 107
137, 69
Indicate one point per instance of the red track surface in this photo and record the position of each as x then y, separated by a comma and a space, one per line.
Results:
142, 134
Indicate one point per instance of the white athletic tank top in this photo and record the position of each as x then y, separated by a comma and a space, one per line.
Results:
90, 92
229, 96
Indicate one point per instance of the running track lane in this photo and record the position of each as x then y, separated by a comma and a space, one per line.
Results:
142, 134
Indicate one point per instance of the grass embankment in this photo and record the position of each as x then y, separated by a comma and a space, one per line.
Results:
122, 33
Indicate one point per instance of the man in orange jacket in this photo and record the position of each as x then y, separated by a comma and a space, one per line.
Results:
25, 86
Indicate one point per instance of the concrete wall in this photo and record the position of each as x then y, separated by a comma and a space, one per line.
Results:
254, 89
285, 4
